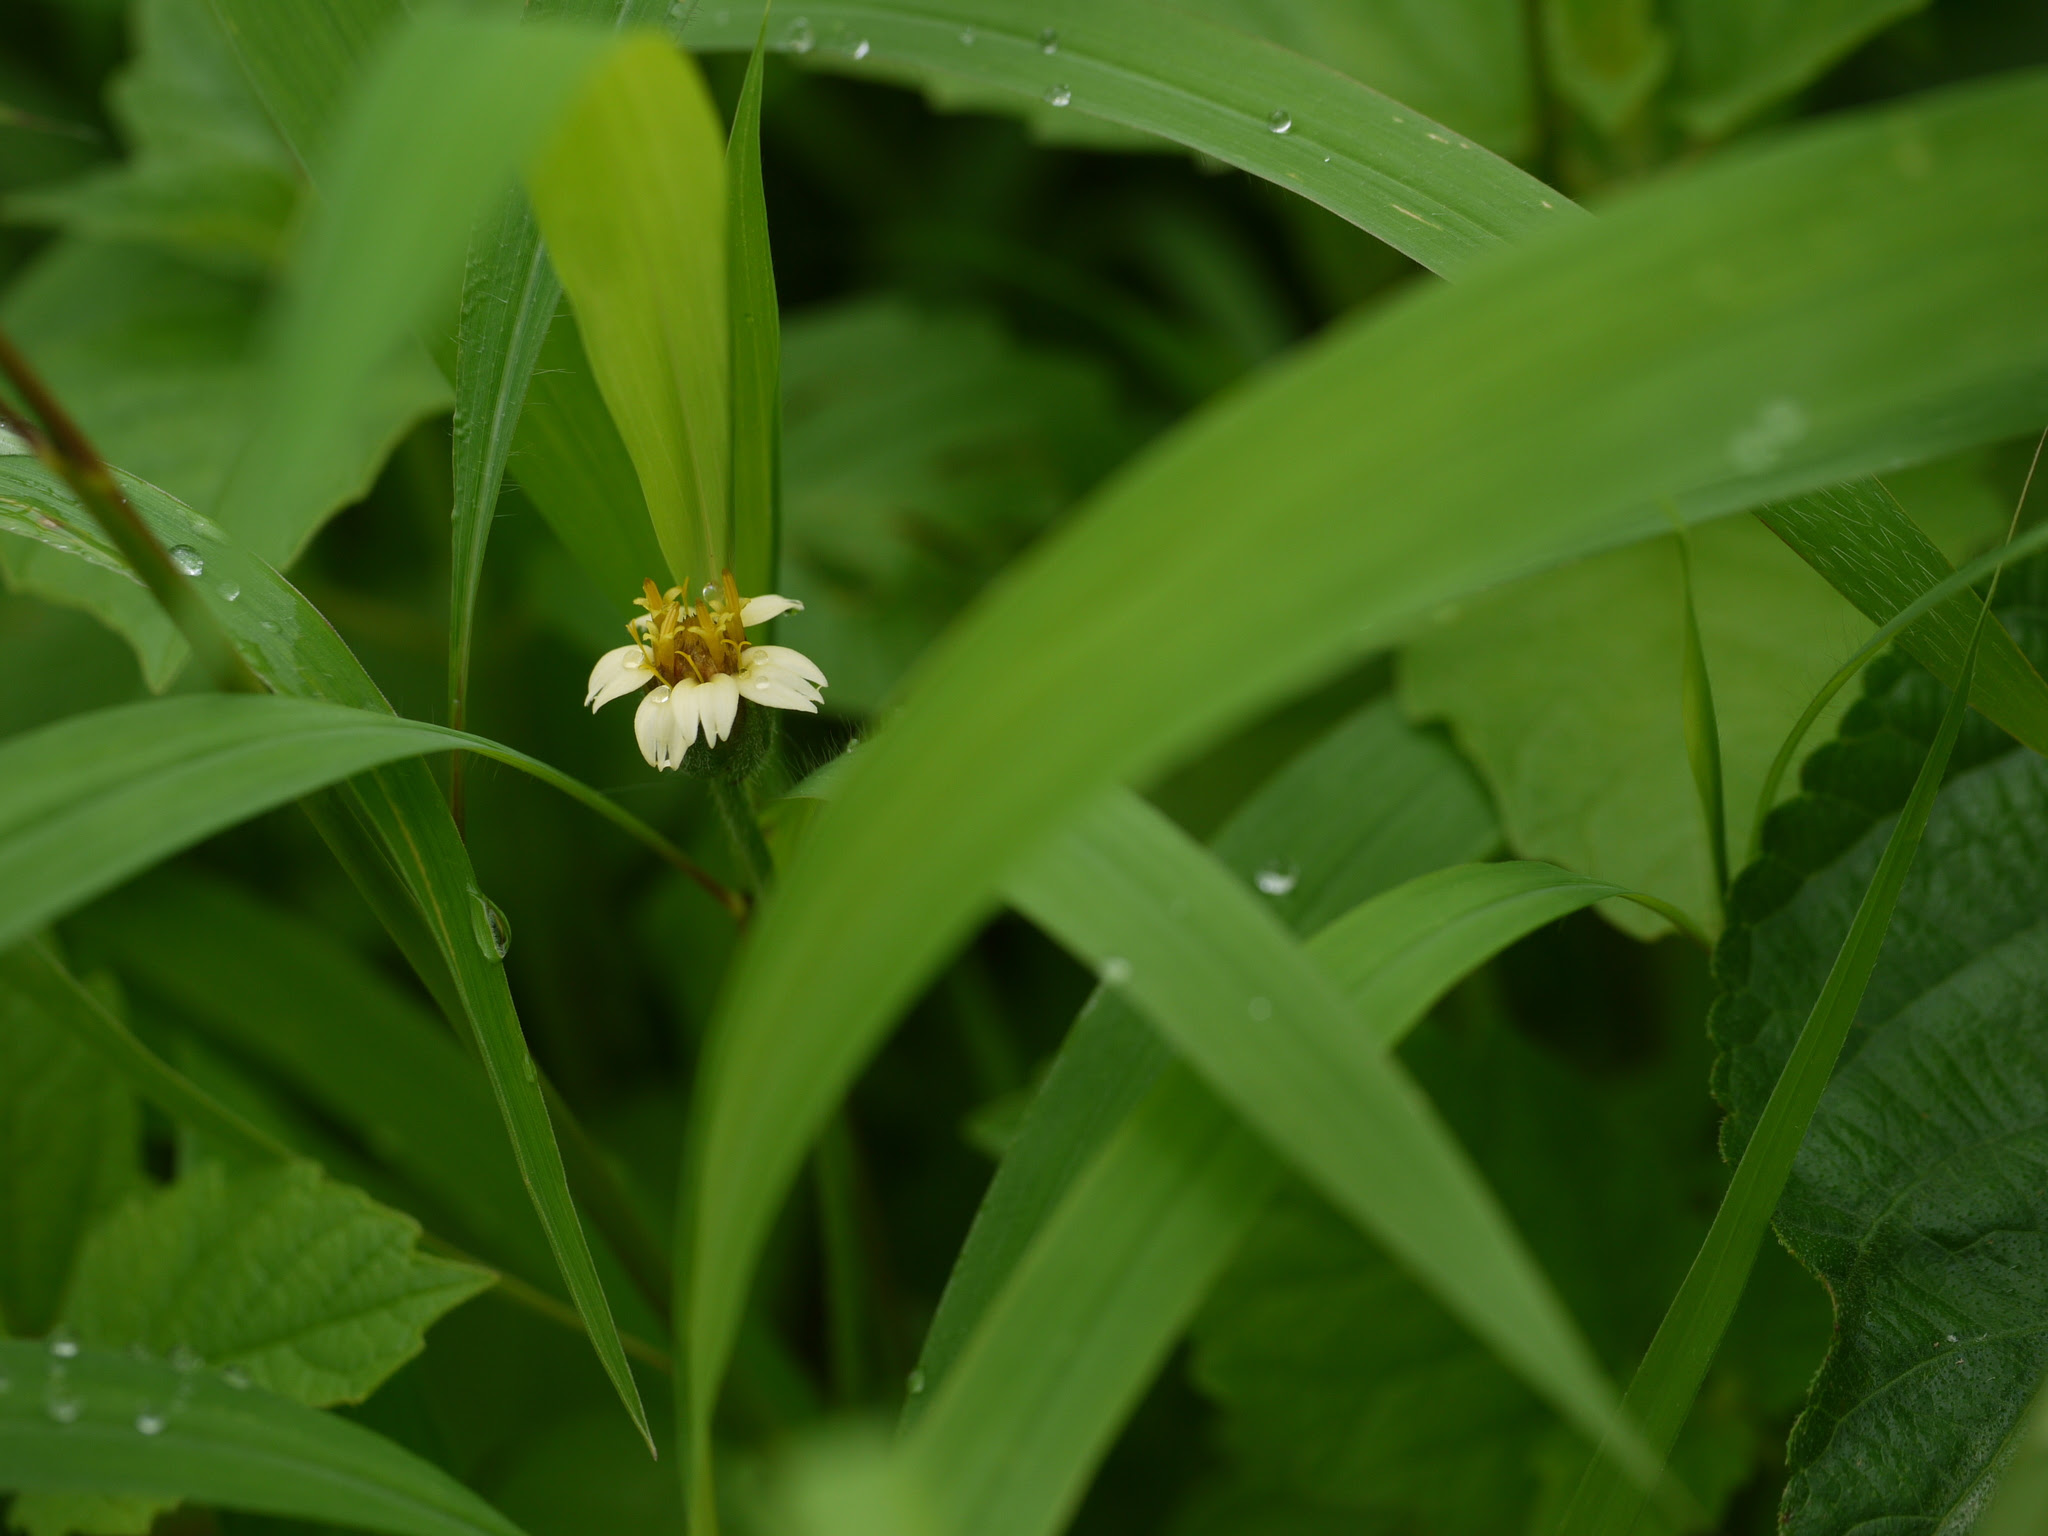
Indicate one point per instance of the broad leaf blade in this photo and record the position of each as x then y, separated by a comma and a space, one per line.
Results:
630, 192
304, 57
310, 1288
237, 1447
1863, 293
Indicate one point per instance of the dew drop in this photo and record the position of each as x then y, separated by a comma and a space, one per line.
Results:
268, 627
1049, 41
185, 1360
1275, 881
1280, 121
63, 1346
188, 559
529, 1069
235, 1377
860, 49
1116, 970
149, 1423
1058, 95
488, 922
63, 1409
1260, 1008
709, 592
914, 1383
228, 591
967, 37
799, 38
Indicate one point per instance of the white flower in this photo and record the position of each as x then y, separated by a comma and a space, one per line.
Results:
694, 666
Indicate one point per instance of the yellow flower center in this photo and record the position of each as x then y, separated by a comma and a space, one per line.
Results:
682, 641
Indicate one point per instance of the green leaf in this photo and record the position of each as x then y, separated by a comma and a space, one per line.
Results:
145, 318
1375, 803
1564, 690
1423, 189
278, 991
1110, 1278
209, 178
1870, 550
69, 1148
2019, 1504
84, 1424
1913, 1193
1462, 62
387, 239
1703, 733
309, 1287
570, 463
924, 449
1739, 56
509, 298
304, 58
756, 504
1631, 381
396, 825
630, 192
1608, 56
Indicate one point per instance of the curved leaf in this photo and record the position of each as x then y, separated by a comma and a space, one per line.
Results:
1425, 189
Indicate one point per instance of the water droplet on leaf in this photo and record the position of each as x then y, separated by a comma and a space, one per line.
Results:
529, 1068
1116, 970
229, 591
1058, 95
1049, 41
149, 1423
488, 922
915, 1383
860, 49
1280, 121
967, 37
799, 38
235, 1377
63, 1346
185, 1359
1275, 881
64, 1410
188, 559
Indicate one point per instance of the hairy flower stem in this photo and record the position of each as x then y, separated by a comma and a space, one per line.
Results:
757, 865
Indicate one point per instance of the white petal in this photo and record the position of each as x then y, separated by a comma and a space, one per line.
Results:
776, 694
766, 684
783, 659
651, 728
718, 701
617, 673
684, 702
759, 610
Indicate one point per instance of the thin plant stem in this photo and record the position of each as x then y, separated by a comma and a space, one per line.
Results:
748, 845
61, 444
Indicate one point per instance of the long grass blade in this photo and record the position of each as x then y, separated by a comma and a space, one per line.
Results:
1373, 804
1467, 479
1109, 1280
1667, 1382
1702, 730
71, 1424
756, 504
1425, 189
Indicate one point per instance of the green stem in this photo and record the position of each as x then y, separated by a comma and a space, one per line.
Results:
747, 843
65, 448
846, 1298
